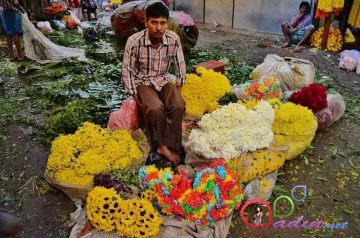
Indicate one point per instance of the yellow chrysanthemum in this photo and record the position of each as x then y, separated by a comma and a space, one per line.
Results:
90, 150
201, 92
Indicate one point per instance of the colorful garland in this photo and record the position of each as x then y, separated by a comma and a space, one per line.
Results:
76, 158
265, 88
212, 195
312, 96
232, 130
334, 41
202, 91
106, 211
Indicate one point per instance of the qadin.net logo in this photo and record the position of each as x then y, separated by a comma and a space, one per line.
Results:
298, 223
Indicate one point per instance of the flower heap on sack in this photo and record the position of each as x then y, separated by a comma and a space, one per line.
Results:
212, 195
325, 7
312, 96
232, 130
55, 8
107, 211
202, 91
76, 158
291, 120
334, 41
265, 88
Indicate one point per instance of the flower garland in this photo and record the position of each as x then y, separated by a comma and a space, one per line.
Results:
231, 130
354, 16
106, 211
212, 195
76, 158
291, 119
201, 92
325, 7
265, 88
312, 96
334, 41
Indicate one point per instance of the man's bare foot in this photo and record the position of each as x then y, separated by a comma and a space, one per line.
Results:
285, 45
163, 150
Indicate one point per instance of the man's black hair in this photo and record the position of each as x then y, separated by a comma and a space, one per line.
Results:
305, 4
156, 10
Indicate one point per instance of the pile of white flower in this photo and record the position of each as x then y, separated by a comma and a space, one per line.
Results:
232, 130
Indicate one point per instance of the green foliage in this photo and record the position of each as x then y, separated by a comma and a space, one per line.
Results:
8, 68
67, 38
8, 107
67, 119
229, 97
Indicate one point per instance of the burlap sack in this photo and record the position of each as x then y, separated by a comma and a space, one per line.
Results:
170, 228
293, 73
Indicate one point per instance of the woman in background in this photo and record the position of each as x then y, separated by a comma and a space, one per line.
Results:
10, 20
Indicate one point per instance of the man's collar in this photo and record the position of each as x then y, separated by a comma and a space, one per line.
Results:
164, 40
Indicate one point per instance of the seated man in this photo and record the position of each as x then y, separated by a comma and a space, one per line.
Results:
145, 74
299, 29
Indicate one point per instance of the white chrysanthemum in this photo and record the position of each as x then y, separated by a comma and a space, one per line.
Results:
231, 130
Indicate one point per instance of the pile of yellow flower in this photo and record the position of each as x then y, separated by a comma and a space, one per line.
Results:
294, 125
334, 41
76, 158
202, 91
107, 211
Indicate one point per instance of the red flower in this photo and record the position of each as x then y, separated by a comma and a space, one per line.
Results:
312, 96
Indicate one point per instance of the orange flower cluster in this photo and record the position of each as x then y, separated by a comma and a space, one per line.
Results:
334, 41
65, 18
55, 8
325, 7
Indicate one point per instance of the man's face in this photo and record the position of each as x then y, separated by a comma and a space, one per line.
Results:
156, 27
304, 9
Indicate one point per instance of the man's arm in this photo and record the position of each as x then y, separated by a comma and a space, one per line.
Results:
295, 21
128, 72
180, 67
128, 68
